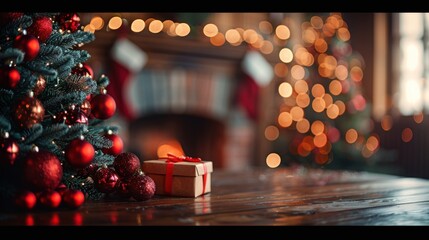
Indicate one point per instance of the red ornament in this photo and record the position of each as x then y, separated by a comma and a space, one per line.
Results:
76, 116
88, 171
29, 45
25, 200
9, 150
7, 17
9, 77
83, 70
79, 153
41, 28
85, 107
142, 187
103, 106
69, 21
73, 198
42, 171
50, 199
122, 188
105, 179
40, 85
28, 112
126, 164
117, 145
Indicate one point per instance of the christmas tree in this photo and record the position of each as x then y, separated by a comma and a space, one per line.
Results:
54, 145
323, 109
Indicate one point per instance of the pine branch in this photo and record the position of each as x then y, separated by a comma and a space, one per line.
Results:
33, 133
40, 68
101, 158
75, 131
83, 56
49, 53
65, 100
64, 65
83, 37
12, 54
4, 124
11, 28
98, 141
79, 83
51, 132
66, 41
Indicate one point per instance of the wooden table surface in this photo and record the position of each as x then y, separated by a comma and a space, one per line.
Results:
261, 197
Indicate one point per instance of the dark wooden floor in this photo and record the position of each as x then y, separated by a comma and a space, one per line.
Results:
263, 197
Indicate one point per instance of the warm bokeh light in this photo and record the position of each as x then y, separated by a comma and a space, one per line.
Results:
301, 86
332, 111
282, 32
210, 30
320, 140
341, 72
333, 134
335, 87
233, 36
97, 23
281, 70
328, 100
250, 36
271, 133
115, 23
318, 104
285, 89
297, 113
171, 30
183, 29
351, 135
137, 25
156, 26
297, 72
286, 55
341, 107
343, 34
267, 47
317, 127
265, 27
320, 45
170, 146
418, 117
285, 119
89, 28
316, 22
167, 25
317, 90
309, 35
273, 160
356, 74
407, 135
372, 143
386, 122
302, 100
217, 40
321, 159
303, 125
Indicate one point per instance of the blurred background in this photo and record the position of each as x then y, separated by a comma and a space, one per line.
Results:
330, 90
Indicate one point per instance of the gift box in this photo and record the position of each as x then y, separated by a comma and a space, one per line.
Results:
179, 178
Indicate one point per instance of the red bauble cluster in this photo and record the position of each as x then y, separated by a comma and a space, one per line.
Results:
103, 106
41, 28
29, 45
125, 178
79, 153
69, 21
49, 199
9, 77
117, 145
42, 171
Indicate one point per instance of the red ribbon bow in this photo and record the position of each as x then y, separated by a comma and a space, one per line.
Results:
170, 160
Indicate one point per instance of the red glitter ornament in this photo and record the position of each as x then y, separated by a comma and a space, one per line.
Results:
25, 200
9, 77
73, 198
142, 187
50, 199
117, 145
40, 85
83, 70
42, 171
105, 179
88, 171
28, 112
9, 150
126, 164
29, 45
103, 106
69, 21
41, 28
122, 188
79, 153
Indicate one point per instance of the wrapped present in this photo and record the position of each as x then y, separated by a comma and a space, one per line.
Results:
180, 176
